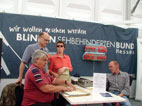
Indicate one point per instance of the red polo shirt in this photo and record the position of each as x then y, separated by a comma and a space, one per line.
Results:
34, 79
58, 62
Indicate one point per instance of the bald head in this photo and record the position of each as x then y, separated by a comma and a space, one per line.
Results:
44, 34
43, 39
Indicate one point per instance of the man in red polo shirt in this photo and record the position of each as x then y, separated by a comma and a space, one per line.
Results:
39, 86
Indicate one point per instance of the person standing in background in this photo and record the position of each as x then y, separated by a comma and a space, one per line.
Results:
43, 40
60, 67
60, 64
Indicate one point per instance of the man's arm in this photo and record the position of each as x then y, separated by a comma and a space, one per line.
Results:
121, 94
69, 65
126, 89
52, 89
25, 59
58, 81
53, 74
21, 70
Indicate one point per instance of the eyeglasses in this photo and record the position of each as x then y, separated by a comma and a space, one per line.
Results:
46, 39
60, 46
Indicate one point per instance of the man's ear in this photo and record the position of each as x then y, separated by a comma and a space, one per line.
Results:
117, 65
36, 59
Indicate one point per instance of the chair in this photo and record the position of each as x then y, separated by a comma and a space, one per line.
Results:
12, 95
131, 79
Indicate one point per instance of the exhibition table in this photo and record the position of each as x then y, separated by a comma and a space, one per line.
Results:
92, 98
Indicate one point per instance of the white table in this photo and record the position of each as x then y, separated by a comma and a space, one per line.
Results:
93, 98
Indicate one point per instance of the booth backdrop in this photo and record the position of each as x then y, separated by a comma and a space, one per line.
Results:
18, 31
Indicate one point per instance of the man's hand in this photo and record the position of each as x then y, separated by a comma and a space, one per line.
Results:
71, 85
121, 94
53, 74
66, 89
19, 80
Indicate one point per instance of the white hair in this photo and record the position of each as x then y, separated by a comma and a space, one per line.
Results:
38, 54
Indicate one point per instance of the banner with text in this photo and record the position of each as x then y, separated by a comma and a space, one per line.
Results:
18, 31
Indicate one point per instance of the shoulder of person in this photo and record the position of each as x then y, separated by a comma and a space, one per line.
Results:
108, 74
34, 71
124, 73
47, 50
66, 55
54, 56
32, 45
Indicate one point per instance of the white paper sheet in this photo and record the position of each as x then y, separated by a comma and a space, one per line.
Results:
99, 82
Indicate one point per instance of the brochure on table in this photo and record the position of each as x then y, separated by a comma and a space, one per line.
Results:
99, 82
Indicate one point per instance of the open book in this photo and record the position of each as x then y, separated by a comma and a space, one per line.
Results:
77, 92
